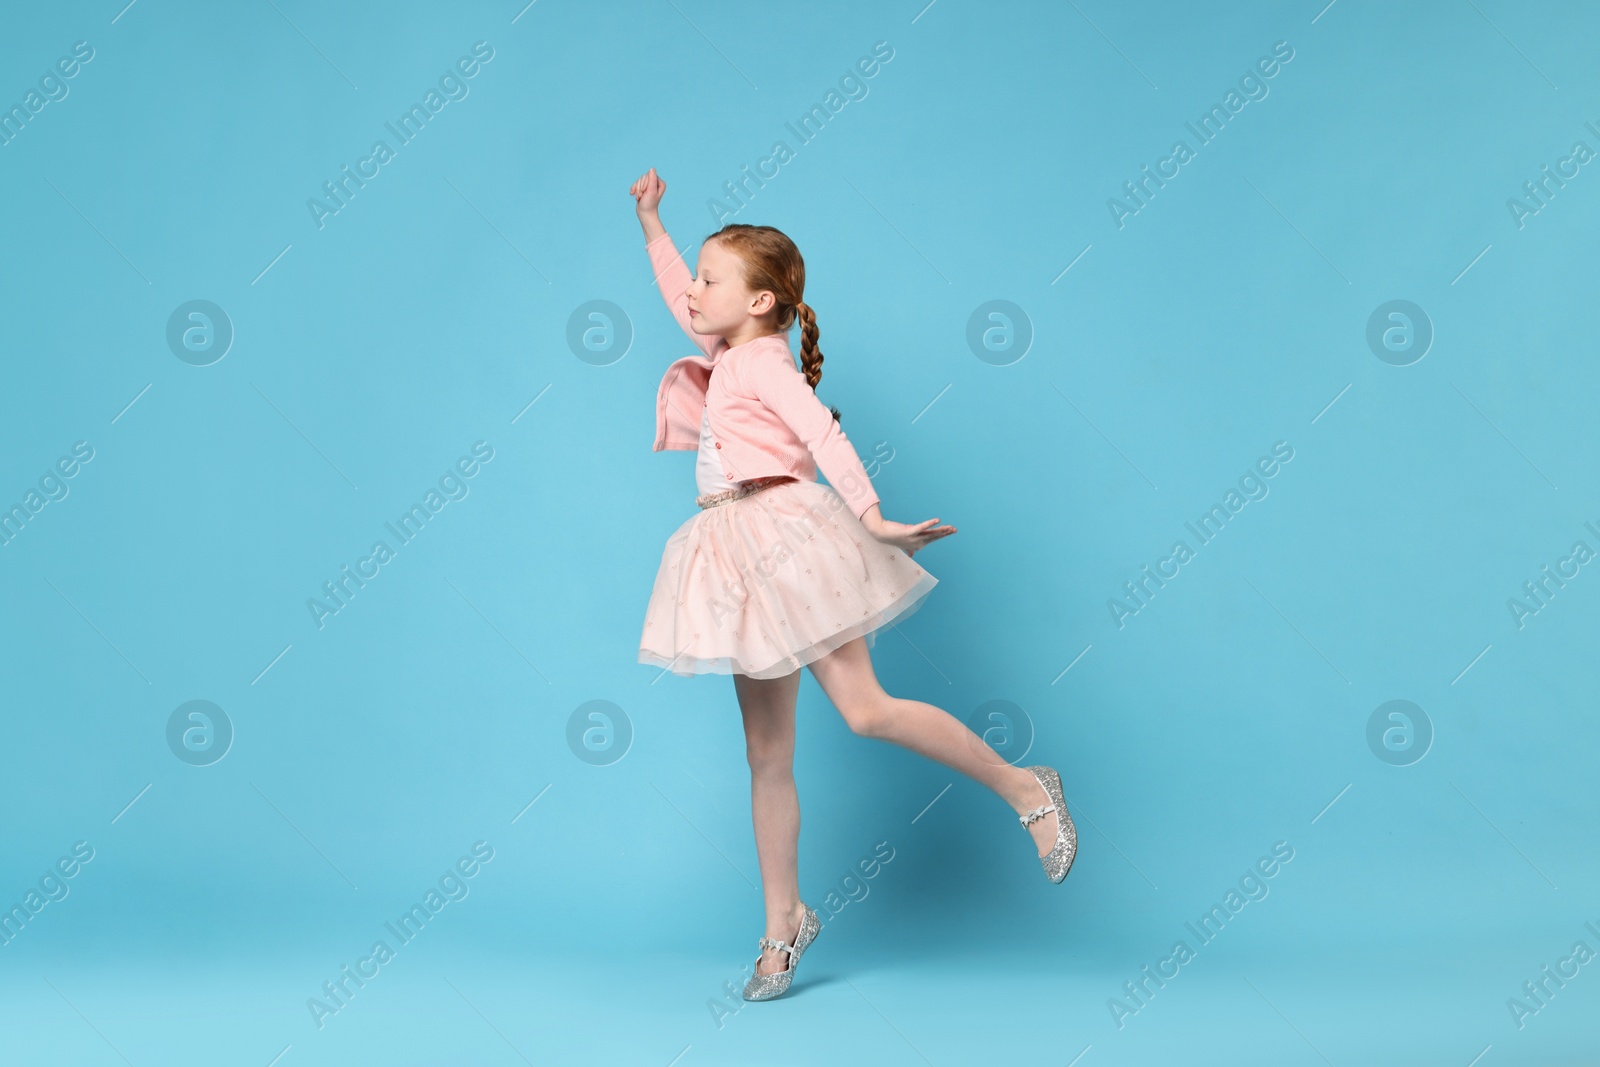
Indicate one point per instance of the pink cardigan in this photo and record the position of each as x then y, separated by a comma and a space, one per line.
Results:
765, 419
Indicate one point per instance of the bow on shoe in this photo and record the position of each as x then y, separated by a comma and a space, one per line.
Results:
1037, 813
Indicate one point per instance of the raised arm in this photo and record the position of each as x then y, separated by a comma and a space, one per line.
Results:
673, 278
671, 272
770, 373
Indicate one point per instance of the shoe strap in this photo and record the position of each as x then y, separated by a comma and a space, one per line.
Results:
767, 942
1037, 813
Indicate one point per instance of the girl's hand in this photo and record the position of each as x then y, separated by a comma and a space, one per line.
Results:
909, 539
648, 191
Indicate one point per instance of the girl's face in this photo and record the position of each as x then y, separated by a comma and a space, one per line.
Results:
719, 302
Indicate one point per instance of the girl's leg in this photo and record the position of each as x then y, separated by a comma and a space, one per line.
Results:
846, 675
768, 709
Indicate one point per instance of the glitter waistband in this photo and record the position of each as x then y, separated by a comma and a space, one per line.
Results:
743, 489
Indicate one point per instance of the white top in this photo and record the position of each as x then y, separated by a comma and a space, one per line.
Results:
708, 461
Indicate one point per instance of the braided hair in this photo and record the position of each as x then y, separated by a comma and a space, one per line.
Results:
772, 262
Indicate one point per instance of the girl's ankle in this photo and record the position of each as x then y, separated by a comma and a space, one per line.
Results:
1029, 790
790, 921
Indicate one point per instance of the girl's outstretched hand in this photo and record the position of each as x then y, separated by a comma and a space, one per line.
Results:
648, 191
909, 539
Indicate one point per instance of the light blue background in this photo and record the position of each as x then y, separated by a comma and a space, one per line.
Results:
1230, 313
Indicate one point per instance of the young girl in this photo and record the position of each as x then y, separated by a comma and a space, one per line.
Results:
778, 571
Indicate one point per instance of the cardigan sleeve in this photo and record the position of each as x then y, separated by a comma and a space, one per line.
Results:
672, 278
771, 374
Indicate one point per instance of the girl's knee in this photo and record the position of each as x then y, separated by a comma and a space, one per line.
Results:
867, 717
770, 757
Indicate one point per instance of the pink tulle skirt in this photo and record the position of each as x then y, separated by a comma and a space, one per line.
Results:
767, 583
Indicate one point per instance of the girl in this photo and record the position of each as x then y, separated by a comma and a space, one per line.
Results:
778, 571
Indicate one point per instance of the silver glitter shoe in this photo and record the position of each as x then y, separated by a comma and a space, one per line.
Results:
767, 986
1058, 861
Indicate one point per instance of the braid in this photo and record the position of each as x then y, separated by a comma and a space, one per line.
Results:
770, 261
810, 354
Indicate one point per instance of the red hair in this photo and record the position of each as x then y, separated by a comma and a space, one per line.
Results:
772, 262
